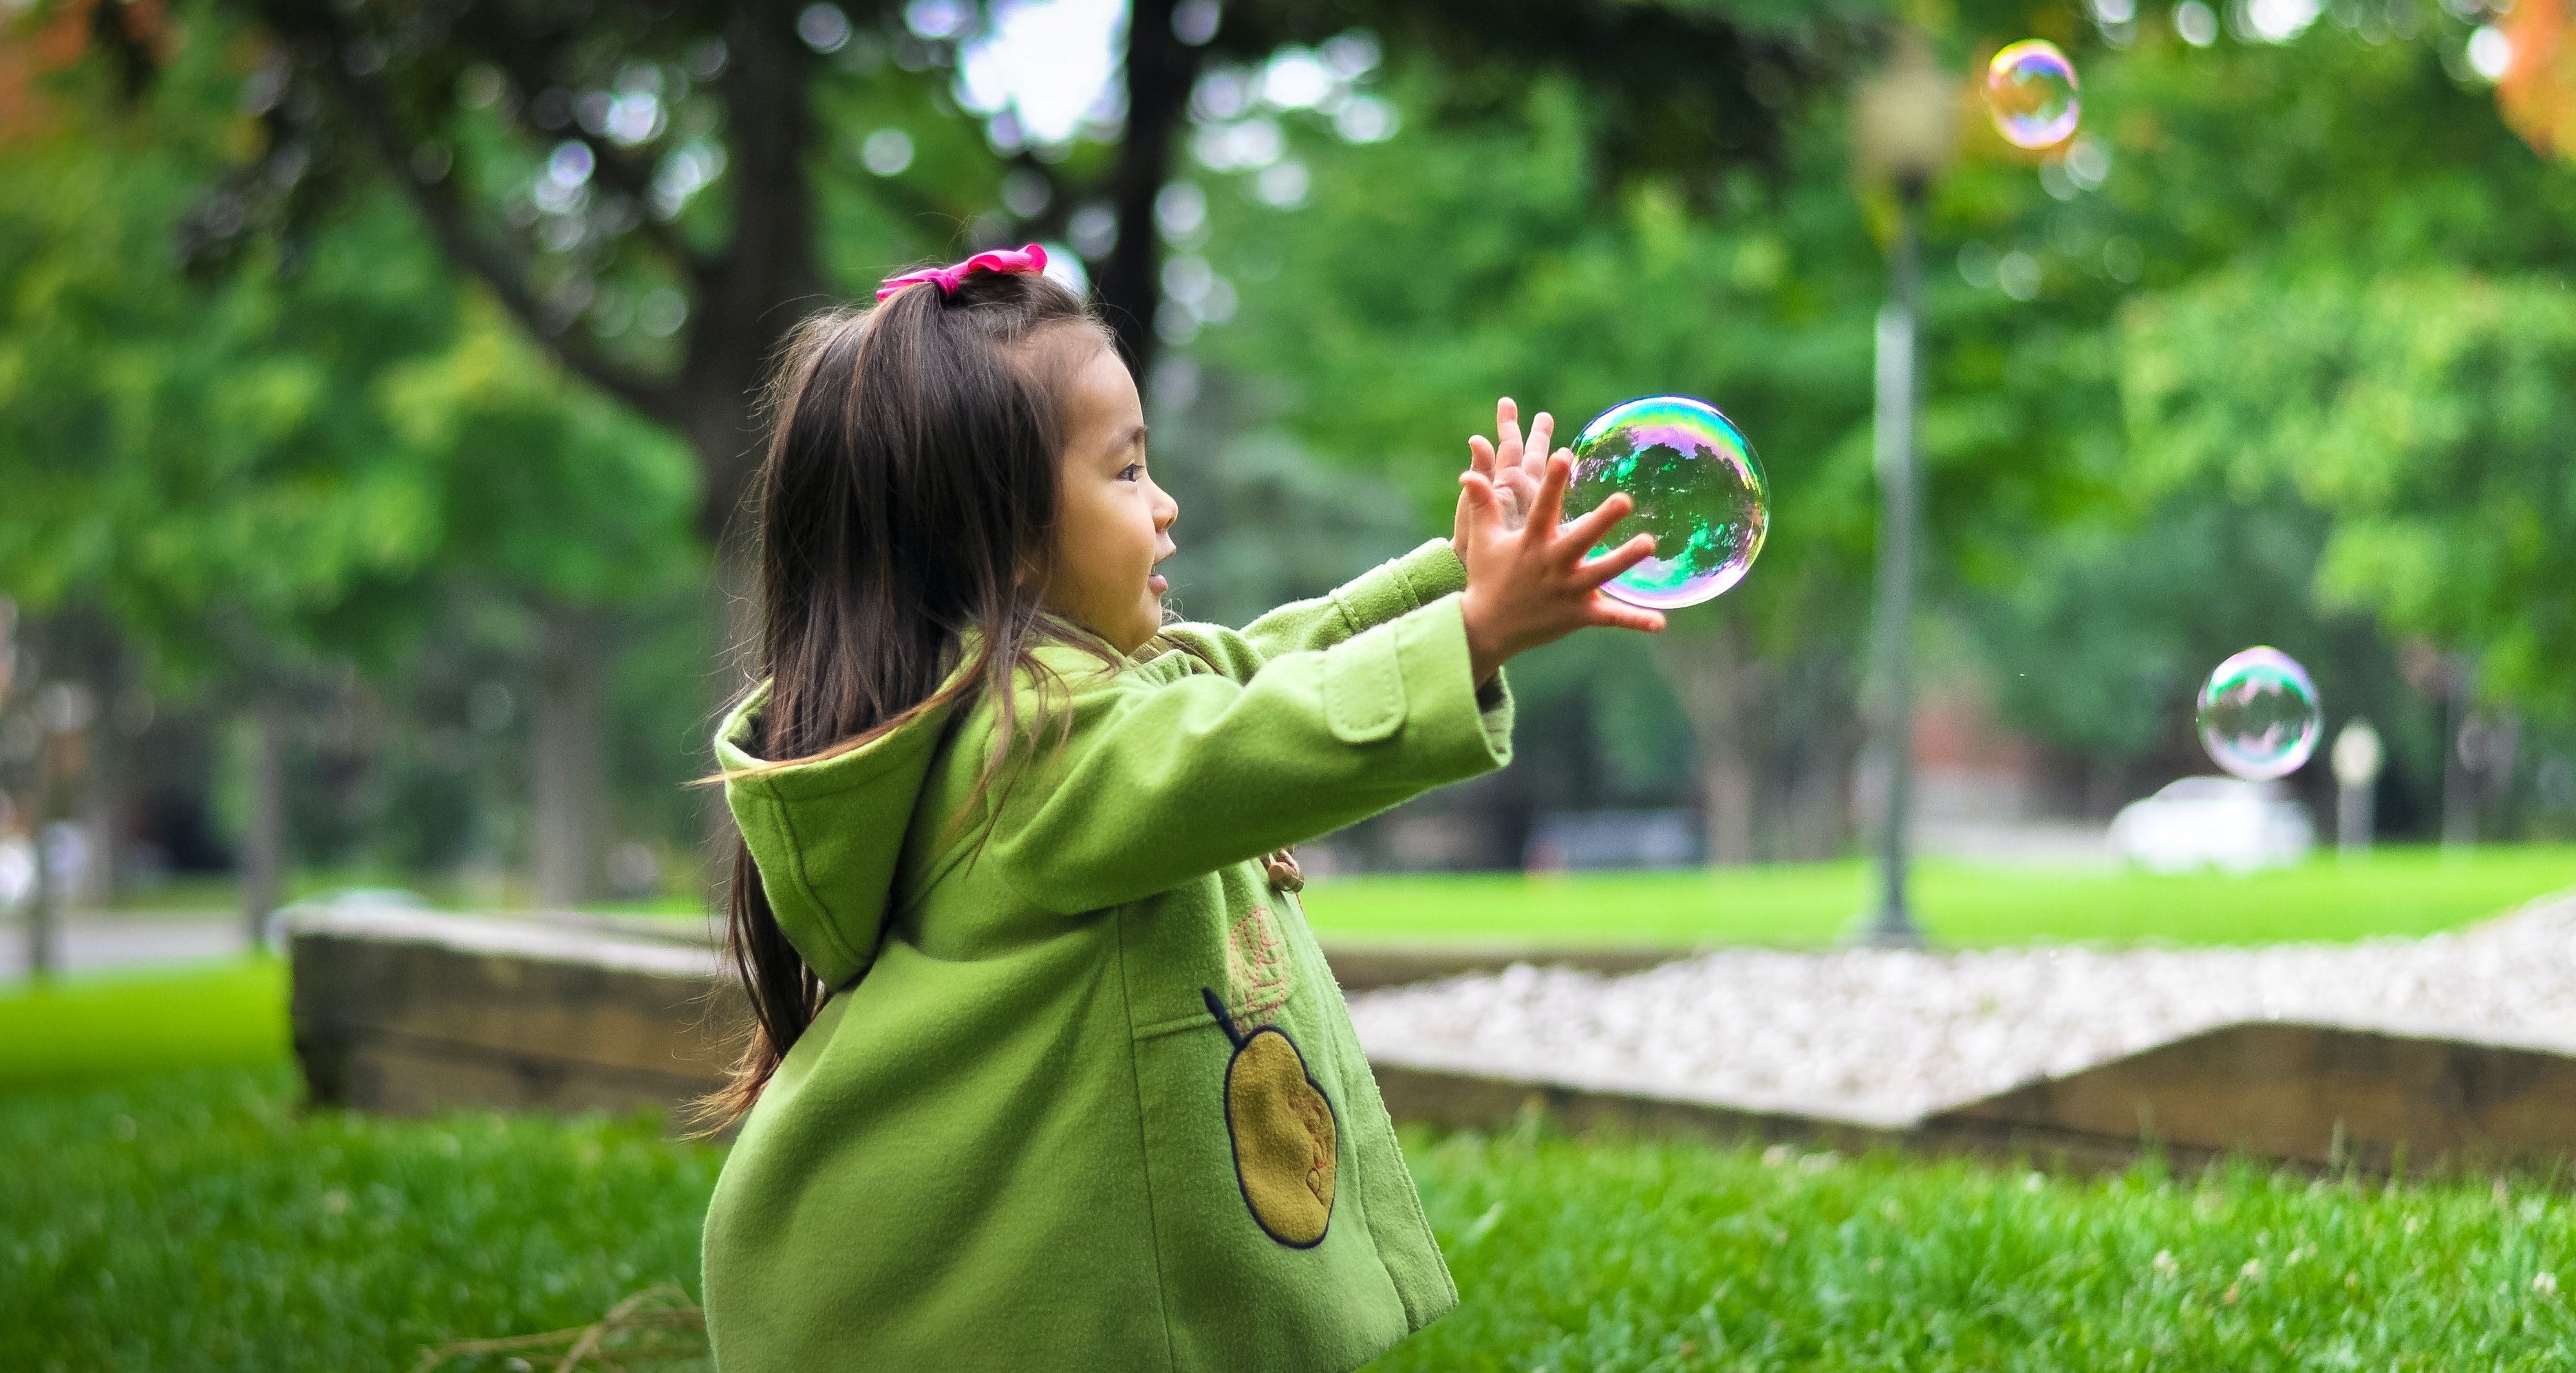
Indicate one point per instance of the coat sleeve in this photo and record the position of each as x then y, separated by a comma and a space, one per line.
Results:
1376, 596
1157, 781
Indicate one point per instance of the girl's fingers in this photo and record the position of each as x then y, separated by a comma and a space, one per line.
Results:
1507, 429
1480, 454
1542, 430
1479, 491
1593, 526
1547, 510
1596, 571
1617, 614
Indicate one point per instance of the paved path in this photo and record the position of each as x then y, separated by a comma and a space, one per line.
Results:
89, 941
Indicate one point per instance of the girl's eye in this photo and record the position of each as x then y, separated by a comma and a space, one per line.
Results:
1131, 471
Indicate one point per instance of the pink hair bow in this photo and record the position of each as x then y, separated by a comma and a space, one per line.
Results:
1029, 259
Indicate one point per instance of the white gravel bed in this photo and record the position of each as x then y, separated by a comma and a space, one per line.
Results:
1884, 1037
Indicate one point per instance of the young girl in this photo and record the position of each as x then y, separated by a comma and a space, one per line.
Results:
1048, 1072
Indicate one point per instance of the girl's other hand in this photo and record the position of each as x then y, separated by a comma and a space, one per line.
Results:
1529, 584
1514, 467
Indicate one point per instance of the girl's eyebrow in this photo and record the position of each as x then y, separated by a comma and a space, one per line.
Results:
1133, 438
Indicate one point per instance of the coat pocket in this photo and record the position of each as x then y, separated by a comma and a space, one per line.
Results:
1364, 688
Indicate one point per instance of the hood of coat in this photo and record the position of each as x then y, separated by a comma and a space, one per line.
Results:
828, 835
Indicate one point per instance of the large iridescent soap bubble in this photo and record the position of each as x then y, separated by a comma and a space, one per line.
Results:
2258, 715
1698, 488
2030, 90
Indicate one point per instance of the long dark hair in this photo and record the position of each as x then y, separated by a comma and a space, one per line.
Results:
907, 497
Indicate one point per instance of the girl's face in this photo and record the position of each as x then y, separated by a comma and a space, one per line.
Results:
1112, 523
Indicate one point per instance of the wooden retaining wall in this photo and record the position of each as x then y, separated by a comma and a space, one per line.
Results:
412, 1012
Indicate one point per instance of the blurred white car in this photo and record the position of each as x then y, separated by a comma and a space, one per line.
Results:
2220, 822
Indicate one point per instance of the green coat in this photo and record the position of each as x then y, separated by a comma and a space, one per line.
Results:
1025, 1137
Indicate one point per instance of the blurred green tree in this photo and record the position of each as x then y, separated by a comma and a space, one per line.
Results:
2430, 415
650, 192
259, 469
2150, 323
640, 192
1424, 277
653, 191
1507, 254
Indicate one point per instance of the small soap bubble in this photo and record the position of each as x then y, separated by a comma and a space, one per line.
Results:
2030, 90
1698, 488
2258, 715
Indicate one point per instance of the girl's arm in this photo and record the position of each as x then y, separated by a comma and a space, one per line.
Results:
1159, 781
1376, 596
1160, 778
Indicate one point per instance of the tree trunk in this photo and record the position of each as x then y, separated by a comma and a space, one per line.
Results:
263, 845
1713, 673
568, 772
769, 275
1160, 71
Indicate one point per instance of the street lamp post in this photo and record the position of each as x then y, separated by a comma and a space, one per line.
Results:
1904, 119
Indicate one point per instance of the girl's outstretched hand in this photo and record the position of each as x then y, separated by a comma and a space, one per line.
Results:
1514, 467
1531, 585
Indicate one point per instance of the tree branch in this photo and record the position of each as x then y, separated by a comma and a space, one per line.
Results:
613, 165
449, 222
771, 273
1160, 72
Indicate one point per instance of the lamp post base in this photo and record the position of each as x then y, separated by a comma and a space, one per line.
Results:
1886, 928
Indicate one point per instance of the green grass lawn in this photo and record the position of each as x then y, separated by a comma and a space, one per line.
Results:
202, 1221
1608, 1255
101, 1026
2396, 891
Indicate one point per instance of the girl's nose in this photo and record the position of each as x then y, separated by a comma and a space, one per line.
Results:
1166, 509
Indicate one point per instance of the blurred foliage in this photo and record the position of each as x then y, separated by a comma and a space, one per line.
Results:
2271, 352
2431, 416
296, 452
1437, 271
200, 457
1486, 252
1474, 258
322, 454
2347, 152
